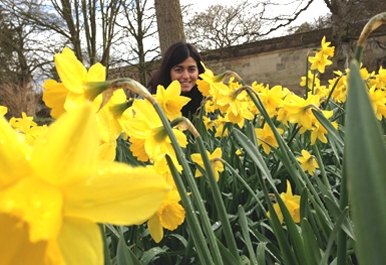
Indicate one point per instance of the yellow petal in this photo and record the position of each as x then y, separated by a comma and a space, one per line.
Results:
15, 245
70, 70
96, 73
107, 151
155, 228
80, 242
174, 89
13, 153
36, 203
54, 96
116, 193
69, 145
3, 110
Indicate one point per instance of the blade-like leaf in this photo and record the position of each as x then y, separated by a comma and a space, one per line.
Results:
365, 156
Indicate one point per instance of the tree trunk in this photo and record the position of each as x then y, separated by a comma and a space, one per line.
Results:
169, 22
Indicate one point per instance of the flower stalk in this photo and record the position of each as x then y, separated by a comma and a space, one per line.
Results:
199, 238
372, 25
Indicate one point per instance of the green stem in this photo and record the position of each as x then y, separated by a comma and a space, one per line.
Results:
372, 25
342, 237
315, 148
192, 184
228, 233
288, 157
106, 251
240, 178
191, 218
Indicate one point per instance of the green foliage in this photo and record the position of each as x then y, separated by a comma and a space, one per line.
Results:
341, 217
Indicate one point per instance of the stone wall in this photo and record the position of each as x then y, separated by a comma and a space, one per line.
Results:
279, 61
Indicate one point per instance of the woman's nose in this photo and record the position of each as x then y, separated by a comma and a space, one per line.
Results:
185, 74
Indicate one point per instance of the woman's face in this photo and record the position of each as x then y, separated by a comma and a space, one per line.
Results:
186, 73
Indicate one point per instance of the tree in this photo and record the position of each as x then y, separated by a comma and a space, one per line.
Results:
245, 21
21, 50
348, 18
224, 26
87, 25
139, 22
318, 23
169, 22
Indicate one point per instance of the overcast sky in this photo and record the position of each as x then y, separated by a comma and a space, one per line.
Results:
316, 9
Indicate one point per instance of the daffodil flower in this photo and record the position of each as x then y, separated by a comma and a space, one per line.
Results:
52, 195
292, 202
326, 49
27, 128
308, 162
319, 62
215, 162
169, 215
266, 138
147, 133
170, 99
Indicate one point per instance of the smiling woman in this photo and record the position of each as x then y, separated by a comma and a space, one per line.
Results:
181, 62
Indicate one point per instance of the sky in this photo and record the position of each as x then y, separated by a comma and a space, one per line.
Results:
316, 9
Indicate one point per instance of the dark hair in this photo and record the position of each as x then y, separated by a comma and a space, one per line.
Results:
175, 54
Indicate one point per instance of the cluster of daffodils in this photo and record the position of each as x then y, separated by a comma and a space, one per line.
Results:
58, 181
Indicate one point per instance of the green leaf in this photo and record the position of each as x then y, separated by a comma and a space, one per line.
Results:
333, 235
151, 254
336, 212
310, 242
245, 232
124, 255
260, 253
227, 257
255, 155
365, 157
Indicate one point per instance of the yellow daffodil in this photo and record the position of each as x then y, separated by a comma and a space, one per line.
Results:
318, 130
235, 110
313, 80
266, 138
170, 99
54, 96
23, 124
52, 195
380, 78
27, 128
215, 162
326, 49
339, 94
170, 215
147, 134
378, 100
299, 110
272, 99
74, 91
220, 126
209, 84
292, 202
74, 77
319, 62
308, 162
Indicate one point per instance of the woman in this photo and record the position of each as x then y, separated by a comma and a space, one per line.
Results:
181, 62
